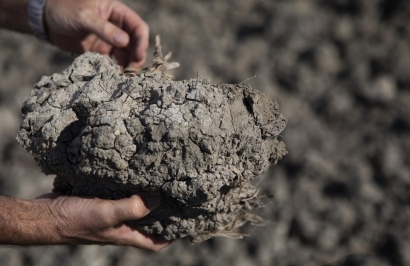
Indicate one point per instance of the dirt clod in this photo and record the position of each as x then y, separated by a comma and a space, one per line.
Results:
198, 145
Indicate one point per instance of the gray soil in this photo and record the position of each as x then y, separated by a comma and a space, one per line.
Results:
339, 69
111, 135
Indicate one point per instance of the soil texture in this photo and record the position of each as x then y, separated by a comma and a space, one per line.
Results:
112, 135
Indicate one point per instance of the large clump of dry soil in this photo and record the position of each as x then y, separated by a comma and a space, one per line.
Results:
198, 145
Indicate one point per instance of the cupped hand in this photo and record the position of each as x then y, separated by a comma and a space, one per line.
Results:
108, 27
80, 220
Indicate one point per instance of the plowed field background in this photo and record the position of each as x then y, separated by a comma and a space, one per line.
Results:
340, 70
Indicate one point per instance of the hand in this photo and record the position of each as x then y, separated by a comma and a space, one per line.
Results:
82, 220
107, 27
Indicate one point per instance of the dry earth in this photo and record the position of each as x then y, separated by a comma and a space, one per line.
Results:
199, 146
339, 70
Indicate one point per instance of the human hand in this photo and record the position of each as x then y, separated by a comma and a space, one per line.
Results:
107, 27
80, 220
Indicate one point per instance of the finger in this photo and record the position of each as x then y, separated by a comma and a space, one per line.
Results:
139, 45
133, 208
101, 47
105, 30
122, 57
152, 242
128, 236
137, 29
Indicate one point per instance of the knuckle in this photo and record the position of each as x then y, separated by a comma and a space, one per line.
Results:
84, 14
106, 29
137, 208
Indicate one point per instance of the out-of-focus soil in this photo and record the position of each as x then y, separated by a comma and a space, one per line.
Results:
340, 72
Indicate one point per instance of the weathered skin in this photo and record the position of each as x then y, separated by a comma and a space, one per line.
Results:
198, 145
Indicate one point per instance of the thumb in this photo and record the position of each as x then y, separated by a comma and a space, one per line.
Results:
135, 207
49, 196
106, 30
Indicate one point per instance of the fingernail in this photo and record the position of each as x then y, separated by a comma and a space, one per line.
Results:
120, 38
151, 201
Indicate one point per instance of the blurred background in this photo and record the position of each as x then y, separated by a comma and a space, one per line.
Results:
339, 70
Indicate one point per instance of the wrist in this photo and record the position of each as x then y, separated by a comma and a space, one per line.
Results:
50, 222
58, 222
36, 15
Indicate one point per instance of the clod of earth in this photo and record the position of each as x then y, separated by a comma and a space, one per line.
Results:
198, 145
